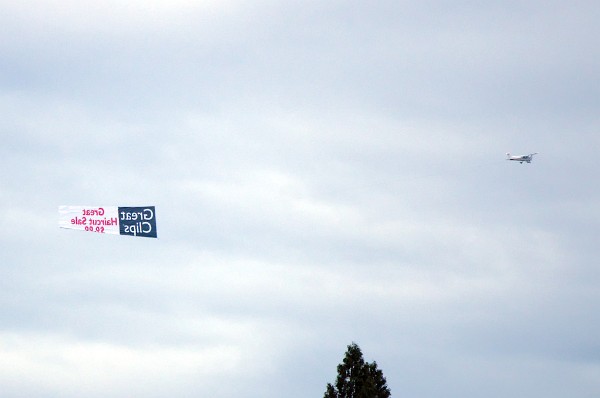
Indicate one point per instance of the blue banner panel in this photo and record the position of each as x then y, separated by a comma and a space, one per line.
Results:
138, 221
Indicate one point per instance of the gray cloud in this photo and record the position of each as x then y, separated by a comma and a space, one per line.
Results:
323, 173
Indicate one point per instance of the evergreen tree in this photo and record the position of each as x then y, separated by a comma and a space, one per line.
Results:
357, 378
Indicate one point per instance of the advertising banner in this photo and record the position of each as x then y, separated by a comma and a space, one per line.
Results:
117, 220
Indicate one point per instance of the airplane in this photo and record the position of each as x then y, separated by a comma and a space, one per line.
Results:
521, 158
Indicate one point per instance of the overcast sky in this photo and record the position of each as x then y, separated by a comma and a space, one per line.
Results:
324, 172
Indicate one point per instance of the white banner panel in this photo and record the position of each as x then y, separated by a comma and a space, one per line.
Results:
100, 219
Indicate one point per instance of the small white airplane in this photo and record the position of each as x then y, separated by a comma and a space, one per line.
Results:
521, 158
